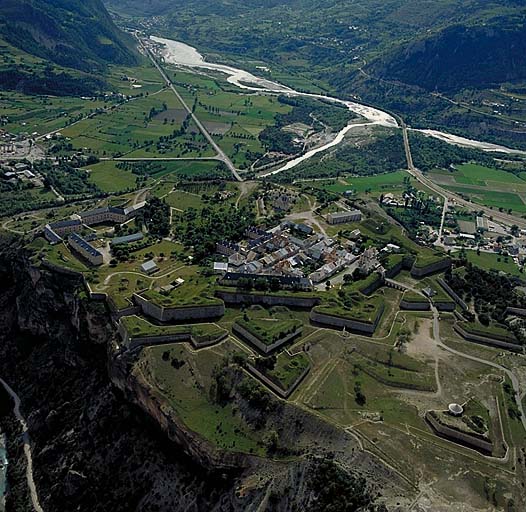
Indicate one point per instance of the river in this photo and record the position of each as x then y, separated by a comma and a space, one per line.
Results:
181, 54
3, 471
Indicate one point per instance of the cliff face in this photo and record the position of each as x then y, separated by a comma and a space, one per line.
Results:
95, 450
137, 391
92, 449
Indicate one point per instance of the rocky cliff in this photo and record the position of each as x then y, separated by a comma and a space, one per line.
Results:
94, 449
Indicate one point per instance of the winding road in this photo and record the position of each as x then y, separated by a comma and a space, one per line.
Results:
27, 447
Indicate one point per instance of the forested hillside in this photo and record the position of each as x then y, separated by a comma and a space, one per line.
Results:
73, 33
444, 44
460, 56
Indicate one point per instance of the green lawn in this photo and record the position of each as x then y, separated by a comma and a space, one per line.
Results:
473, 174
196, 291
184, 200
269, 330
185, 386
490, 261
364, 309
109, 178
492, 198
499, 332
287, 369
139, 327
392, 373
378, 184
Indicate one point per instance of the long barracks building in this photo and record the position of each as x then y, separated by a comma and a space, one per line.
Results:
56, 230
85, 249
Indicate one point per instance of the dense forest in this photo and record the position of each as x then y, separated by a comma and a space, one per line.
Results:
491, 292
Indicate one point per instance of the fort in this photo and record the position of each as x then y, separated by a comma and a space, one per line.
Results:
179, 313
263, 347
479, 442
339, 322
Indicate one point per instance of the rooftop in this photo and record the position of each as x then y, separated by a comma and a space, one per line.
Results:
127, 239
84, 245
148, 265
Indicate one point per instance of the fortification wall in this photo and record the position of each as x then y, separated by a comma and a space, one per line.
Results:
431, 269
283, 393
167, 314
371, 288
493, 342
352, 325
415, 306
267, 300
452, 294
444, 306
516, 311
138, 341
395, 270
61, 270
459, 437
254, 340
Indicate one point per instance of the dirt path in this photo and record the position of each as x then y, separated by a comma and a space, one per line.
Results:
245, 189
27, 447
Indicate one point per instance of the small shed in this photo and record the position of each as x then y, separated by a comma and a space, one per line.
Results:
149, 267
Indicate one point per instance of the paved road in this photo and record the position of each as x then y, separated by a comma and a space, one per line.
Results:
160, 159
221, 155
442, 220
446, 194
27, 447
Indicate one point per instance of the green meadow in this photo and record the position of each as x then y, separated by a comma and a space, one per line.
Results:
375, 185
490, 187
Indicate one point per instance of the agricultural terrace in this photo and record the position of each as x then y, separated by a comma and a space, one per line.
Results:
235, 120
117, 176
137, 128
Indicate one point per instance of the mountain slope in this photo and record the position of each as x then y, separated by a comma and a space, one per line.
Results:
460, 56
73, 33
444, 44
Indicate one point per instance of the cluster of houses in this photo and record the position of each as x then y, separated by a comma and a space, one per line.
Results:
289, 252
21, 172
56, 231
489, 236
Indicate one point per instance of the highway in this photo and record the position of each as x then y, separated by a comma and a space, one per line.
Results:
221, 155
503, 217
